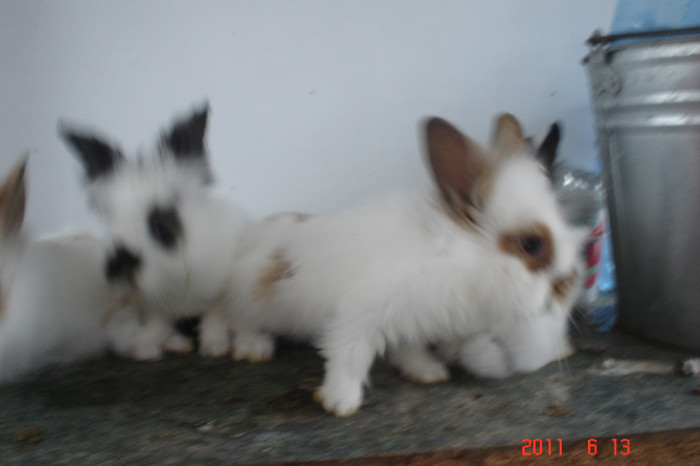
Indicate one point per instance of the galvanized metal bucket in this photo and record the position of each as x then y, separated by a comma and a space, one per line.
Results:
646, 98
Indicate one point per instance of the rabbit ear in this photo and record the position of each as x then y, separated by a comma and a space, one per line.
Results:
547, 151
185, 139
457, 165
98, 157
13, 198
508, 135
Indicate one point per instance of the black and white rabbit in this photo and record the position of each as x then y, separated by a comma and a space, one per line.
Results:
487, 246
173, 237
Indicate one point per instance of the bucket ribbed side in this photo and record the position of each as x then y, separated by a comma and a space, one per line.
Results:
646, 98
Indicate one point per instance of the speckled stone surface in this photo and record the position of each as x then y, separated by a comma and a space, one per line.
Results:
190, 410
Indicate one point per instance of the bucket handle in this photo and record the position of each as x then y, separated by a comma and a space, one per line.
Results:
598, 39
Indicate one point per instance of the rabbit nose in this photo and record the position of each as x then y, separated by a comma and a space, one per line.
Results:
122, 265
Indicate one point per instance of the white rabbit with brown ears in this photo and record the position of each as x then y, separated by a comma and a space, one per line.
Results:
519, 346
487, 245
55, 304
173, 238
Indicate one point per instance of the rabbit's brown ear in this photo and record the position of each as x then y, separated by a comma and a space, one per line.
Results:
508, 135
457, 165
13, 198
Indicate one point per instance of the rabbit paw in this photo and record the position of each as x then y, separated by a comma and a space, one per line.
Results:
214, 347
145, 351
214, 339
254, 347
178, 344
342, 400
418, 365
150, 340
484, 357
427, 372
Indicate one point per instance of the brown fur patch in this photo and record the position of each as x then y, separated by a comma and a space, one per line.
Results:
466, 212
562, 286
532, 245
460, 212
13, 199
463, 212
279, 268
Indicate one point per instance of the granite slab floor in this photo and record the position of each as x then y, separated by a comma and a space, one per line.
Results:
187, 410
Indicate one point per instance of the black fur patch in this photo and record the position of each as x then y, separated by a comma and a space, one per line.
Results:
165, 226
186, 138
188, 326
122, 265
99, 158
547, 151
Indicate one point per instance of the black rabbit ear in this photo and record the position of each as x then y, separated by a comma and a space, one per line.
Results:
98, 157
185, 139
547, 152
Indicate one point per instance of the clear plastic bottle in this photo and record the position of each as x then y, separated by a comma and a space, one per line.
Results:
582, 195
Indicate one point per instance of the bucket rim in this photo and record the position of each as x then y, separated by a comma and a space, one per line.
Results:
661, 42
596, 39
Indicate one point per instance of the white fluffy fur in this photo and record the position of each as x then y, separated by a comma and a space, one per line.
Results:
396, 275
193, 276
513, 346
57, 306
190, 280
518, 346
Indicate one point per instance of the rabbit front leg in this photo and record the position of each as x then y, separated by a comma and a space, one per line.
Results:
214, 337
176, 342
132, 331
156, 335
252, 346
349, 355
121, 326
417, 364
150, 339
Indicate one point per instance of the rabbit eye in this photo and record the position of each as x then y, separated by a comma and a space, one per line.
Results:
165, 226
531, 245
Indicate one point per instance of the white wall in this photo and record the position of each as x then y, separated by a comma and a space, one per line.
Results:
315, 103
